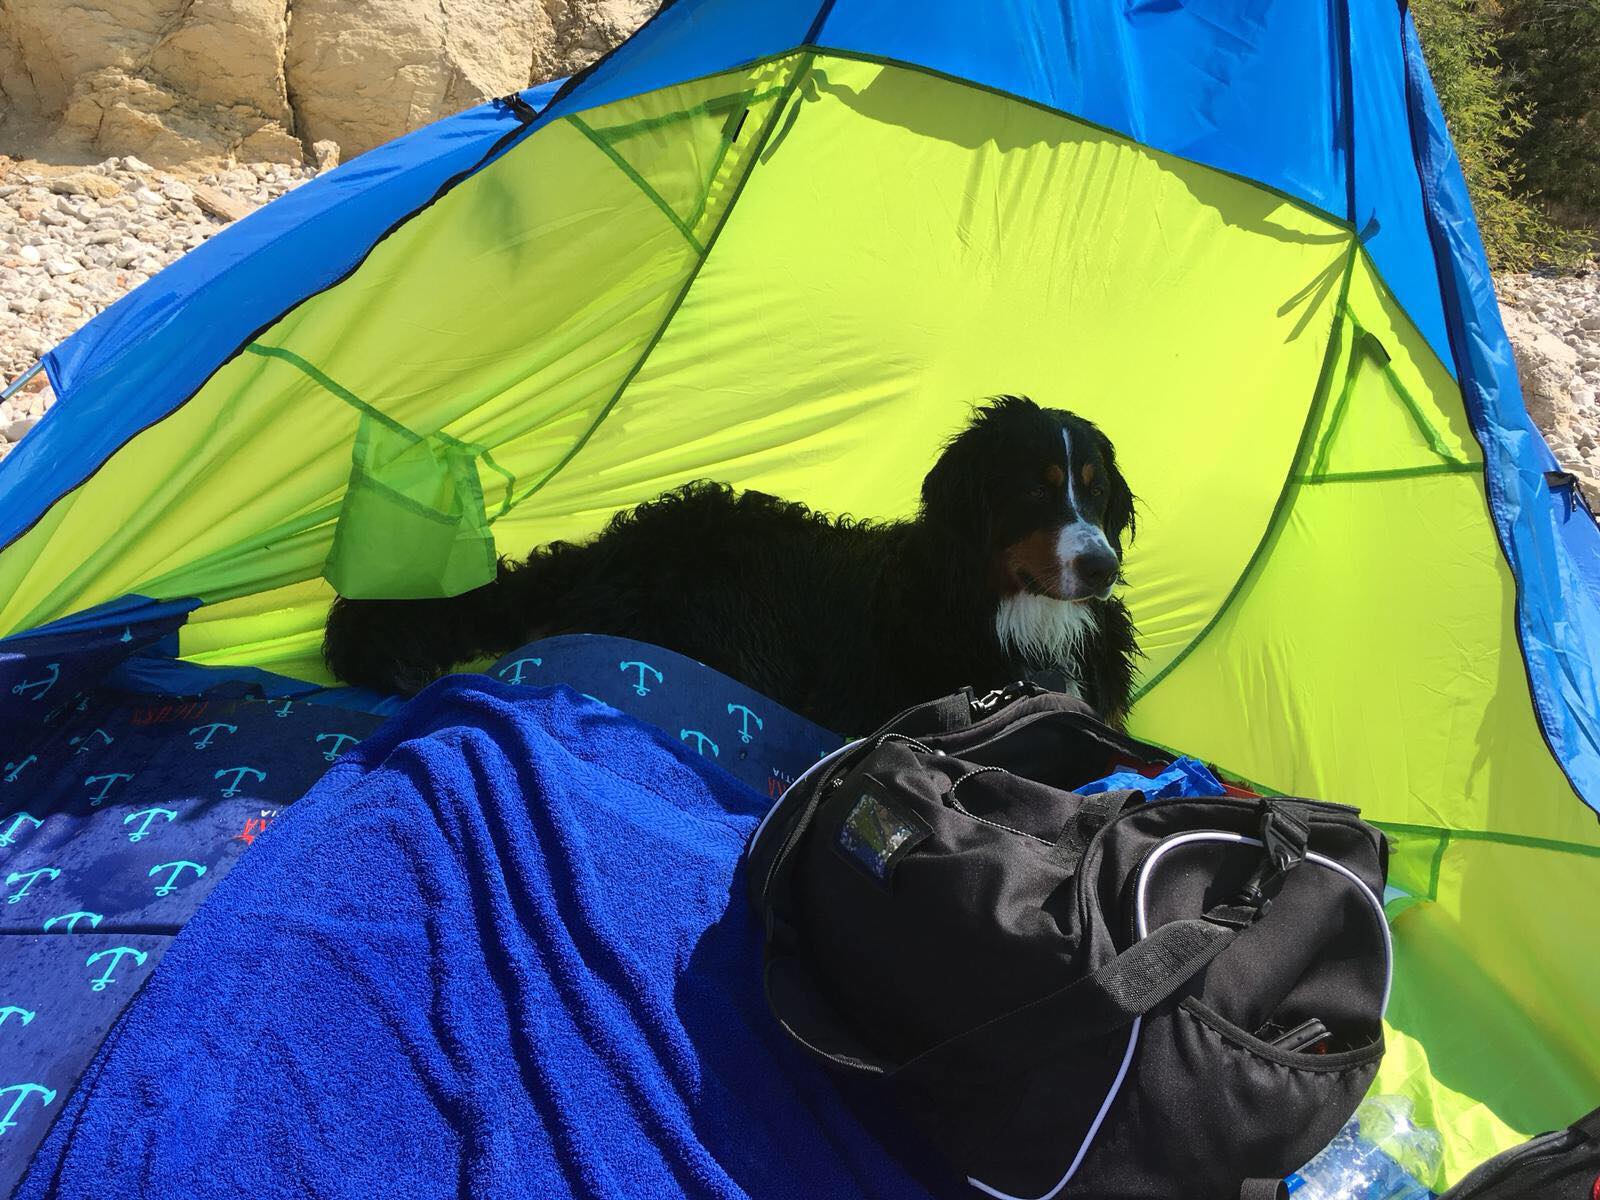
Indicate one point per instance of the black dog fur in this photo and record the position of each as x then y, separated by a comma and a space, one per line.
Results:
844, 621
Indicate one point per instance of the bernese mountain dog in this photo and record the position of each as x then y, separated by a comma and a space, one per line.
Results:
1006, 572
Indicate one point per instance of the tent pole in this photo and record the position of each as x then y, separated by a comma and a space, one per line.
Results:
15, 387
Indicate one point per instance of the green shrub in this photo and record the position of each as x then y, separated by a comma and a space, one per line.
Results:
1486, 120
1550, 51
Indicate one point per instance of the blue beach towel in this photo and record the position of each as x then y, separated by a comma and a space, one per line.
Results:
500, 950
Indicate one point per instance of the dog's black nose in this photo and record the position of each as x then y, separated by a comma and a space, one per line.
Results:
1095, 570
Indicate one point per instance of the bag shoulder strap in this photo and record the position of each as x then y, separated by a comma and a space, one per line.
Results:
1263, 1189
1151, 970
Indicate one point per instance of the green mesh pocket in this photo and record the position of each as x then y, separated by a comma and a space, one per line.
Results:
412, 525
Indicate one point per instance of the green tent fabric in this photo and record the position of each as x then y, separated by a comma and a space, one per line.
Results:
789, 248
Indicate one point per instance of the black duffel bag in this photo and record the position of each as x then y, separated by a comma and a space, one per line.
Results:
1075, 995
1564, 1165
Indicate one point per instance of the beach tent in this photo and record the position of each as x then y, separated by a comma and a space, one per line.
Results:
787, 245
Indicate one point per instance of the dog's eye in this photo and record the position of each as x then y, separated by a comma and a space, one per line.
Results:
1038, 492
1098, 490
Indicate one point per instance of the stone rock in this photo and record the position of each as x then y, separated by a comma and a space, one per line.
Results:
325, 155
30, 254
86, 183
270, 141
167, 81
219, 204
137, 166
1545, 363
13, 432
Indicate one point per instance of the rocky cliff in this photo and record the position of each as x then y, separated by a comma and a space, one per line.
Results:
173, 81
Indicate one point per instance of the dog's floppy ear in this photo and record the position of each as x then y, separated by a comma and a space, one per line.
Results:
955, 493
1119, 519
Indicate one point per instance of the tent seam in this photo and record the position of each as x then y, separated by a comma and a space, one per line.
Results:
638, 180
1521, 841
1443, 468
1352, 374
1284, 504
802, 70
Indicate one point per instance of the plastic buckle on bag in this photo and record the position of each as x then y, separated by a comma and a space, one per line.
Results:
1002, 696
1284, 838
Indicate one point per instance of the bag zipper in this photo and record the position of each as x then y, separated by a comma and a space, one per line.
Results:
1496, 1169
952, 802
1115, 742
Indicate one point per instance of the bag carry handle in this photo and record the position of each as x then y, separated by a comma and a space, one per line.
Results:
1264, 1189
1094, 815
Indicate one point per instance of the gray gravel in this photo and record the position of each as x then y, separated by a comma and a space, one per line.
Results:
75, 239
1554, 322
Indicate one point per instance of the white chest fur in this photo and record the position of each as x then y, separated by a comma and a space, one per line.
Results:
1044, 632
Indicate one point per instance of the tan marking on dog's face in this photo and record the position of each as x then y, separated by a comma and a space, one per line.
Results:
1088, 474
1054, 475
1035, 557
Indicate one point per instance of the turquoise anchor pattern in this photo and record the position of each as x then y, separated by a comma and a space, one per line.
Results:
238, 774
744, 722
149, 814
31, 877
78, 700
73, 918
15, 769
339, 739
701, 741
24, 1090
283, 709
86, 743
39, 686
127, 635
109, 781
9, 837
211, 732
516, 669
117, 954
641, 688
11, 1010
178, 868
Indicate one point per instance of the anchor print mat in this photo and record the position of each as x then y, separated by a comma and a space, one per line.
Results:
117, 818
749, 736
120, 813
500, 950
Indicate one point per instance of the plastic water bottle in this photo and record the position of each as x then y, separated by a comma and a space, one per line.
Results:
1382, 1154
